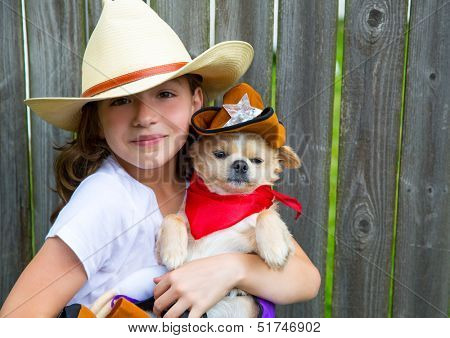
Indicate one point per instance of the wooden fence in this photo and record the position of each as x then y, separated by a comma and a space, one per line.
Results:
391, 239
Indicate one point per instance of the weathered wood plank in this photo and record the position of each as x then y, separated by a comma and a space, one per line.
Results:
370, 115
56, 45
189, 19
422, 260
15, 215
94, 9
304, 101
250, 21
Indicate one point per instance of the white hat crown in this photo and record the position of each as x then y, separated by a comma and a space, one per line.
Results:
125, 32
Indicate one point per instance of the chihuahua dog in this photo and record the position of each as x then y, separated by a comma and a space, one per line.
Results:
233, 163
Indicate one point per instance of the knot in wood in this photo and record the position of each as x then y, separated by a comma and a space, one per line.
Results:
375, 17
373, 21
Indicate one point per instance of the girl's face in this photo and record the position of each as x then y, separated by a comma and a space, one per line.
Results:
147, 129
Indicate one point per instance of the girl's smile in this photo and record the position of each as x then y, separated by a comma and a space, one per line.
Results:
149, 140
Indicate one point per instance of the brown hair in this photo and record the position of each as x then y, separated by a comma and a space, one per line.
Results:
83, 155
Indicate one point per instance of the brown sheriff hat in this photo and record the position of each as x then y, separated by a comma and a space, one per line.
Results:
242, 111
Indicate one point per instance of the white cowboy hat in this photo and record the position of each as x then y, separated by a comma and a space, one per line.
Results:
131, 50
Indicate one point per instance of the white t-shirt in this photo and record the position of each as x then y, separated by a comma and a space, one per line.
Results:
111, 223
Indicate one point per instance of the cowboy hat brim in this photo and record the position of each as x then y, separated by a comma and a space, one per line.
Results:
220, 66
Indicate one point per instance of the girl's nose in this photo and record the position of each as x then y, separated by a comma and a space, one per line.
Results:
145, 114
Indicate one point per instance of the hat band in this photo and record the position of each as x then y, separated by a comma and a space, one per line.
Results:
130, 77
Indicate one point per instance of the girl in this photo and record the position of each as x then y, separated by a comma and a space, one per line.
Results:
125, 171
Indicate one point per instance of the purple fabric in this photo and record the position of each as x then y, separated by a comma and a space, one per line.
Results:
126, 297
268, 308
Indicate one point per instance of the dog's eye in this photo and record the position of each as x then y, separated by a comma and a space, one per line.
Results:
256, 160
220, 154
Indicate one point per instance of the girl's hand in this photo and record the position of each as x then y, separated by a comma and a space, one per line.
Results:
196, 286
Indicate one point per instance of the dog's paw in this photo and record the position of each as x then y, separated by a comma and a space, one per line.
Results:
273, 240
173, 242
173, 260
275, 258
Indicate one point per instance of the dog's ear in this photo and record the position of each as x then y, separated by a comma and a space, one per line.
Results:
288, 157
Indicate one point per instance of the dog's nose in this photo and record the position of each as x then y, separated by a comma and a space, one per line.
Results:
240, 166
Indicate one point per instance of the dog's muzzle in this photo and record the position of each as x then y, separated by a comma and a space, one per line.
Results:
238, 172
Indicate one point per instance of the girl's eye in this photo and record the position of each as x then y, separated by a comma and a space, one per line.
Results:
220, 154
166, 95
119, 101
256, 160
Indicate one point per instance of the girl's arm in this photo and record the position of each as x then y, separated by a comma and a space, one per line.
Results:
298, 281
47, 284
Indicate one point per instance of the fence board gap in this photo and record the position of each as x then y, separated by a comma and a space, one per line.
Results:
333, 172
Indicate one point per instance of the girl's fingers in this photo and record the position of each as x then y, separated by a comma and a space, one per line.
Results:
158, 279
164, 302
162, 286
177, 309
195, 312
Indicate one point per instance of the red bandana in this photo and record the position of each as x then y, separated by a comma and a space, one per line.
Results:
208, 212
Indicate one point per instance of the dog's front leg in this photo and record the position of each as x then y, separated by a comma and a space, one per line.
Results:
273, 239
172, 242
